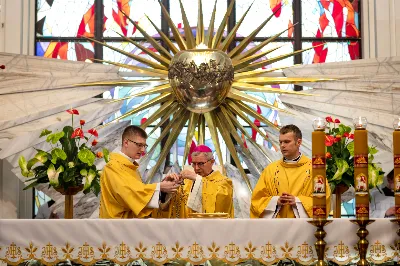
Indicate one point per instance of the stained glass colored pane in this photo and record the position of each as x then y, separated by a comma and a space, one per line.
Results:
114, 56
191, 10
60, 18
260, 11
331, 52
150, 141
75, 51
330, 18
116, 22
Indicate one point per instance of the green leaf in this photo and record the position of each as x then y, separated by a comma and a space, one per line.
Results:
372, 150
23, 165
68, 144
374, 177
83, 172
89, 178
53, 138
106, 154
31, 185
42, 156
86, 156
45, 132
53, 174
343, 129
350, 148
58, 153
32, 162
342, 167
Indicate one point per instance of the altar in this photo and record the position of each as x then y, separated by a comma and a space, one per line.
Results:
192, 240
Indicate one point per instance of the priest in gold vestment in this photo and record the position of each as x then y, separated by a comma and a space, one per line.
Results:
285, 187
203, 191
123, 194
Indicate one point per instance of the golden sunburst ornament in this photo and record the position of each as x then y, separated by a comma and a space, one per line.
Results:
204, 84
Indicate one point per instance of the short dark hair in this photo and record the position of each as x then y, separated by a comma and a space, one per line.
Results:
291, 128
390, 175
134, 130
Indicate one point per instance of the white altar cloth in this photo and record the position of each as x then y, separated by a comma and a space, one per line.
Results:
193, 240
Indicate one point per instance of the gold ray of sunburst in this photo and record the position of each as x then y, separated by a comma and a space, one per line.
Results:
223, 119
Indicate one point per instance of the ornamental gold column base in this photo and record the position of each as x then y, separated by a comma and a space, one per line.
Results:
320, 244
363, 243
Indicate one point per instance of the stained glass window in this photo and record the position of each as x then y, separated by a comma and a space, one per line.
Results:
327, 18
331, 52
74, 51
191, 10
60, 18
259, 12
116, 22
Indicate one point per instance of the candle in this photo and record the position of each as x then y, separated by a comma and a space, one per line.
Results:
396, 160
361, 168
319, 169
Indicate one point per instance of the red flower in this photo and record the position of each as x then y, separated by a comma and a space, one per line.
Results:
337, 121
94, 142
77, 133
82, 122
329, 119
351, 136
73, 111
328, 155
346, 134
329, 140
99, 154
93, 132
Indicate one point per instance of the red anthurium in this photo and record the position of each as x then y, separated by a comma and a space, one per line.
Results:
329, 119
94, 142
93, 132
73, 111
82, 122
346, 134
328, 155
329, 140
351, 136
77, 133
337, 121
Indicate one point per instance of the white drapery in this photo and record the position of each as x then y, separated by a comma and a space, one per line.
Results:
193, 240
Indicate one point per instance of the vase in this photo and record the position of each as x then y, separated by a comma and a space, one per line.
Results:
69, 199
339, 190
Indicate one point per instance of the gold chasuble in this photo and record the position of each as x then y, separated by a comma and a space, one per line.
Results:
123, 194
216, 196
280, 177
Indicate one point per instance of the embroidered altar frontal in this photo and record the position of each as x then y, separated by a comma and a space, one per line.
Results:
192, 240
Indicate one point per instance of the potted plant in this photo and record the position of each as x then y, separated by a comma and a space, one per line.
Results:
339, 160
68, 166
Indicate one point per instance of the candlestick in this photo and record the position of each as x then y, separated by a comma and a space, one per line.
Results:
396, 161
319, 169
361, 167
319, 195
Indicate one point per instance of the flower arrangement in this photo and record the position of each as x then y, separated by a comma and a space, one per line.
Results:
339, 156
70, 162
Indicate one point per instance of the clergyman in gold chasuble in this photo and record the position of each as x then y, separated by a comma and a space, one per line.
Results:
204, 192
285, 188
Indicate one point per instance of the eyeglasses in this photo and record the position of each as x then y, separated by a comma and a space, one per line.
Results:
140, 145
201, 164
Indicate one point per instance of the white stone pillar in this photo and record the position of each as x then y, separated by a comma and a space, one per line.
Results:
17, 26
380, 28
